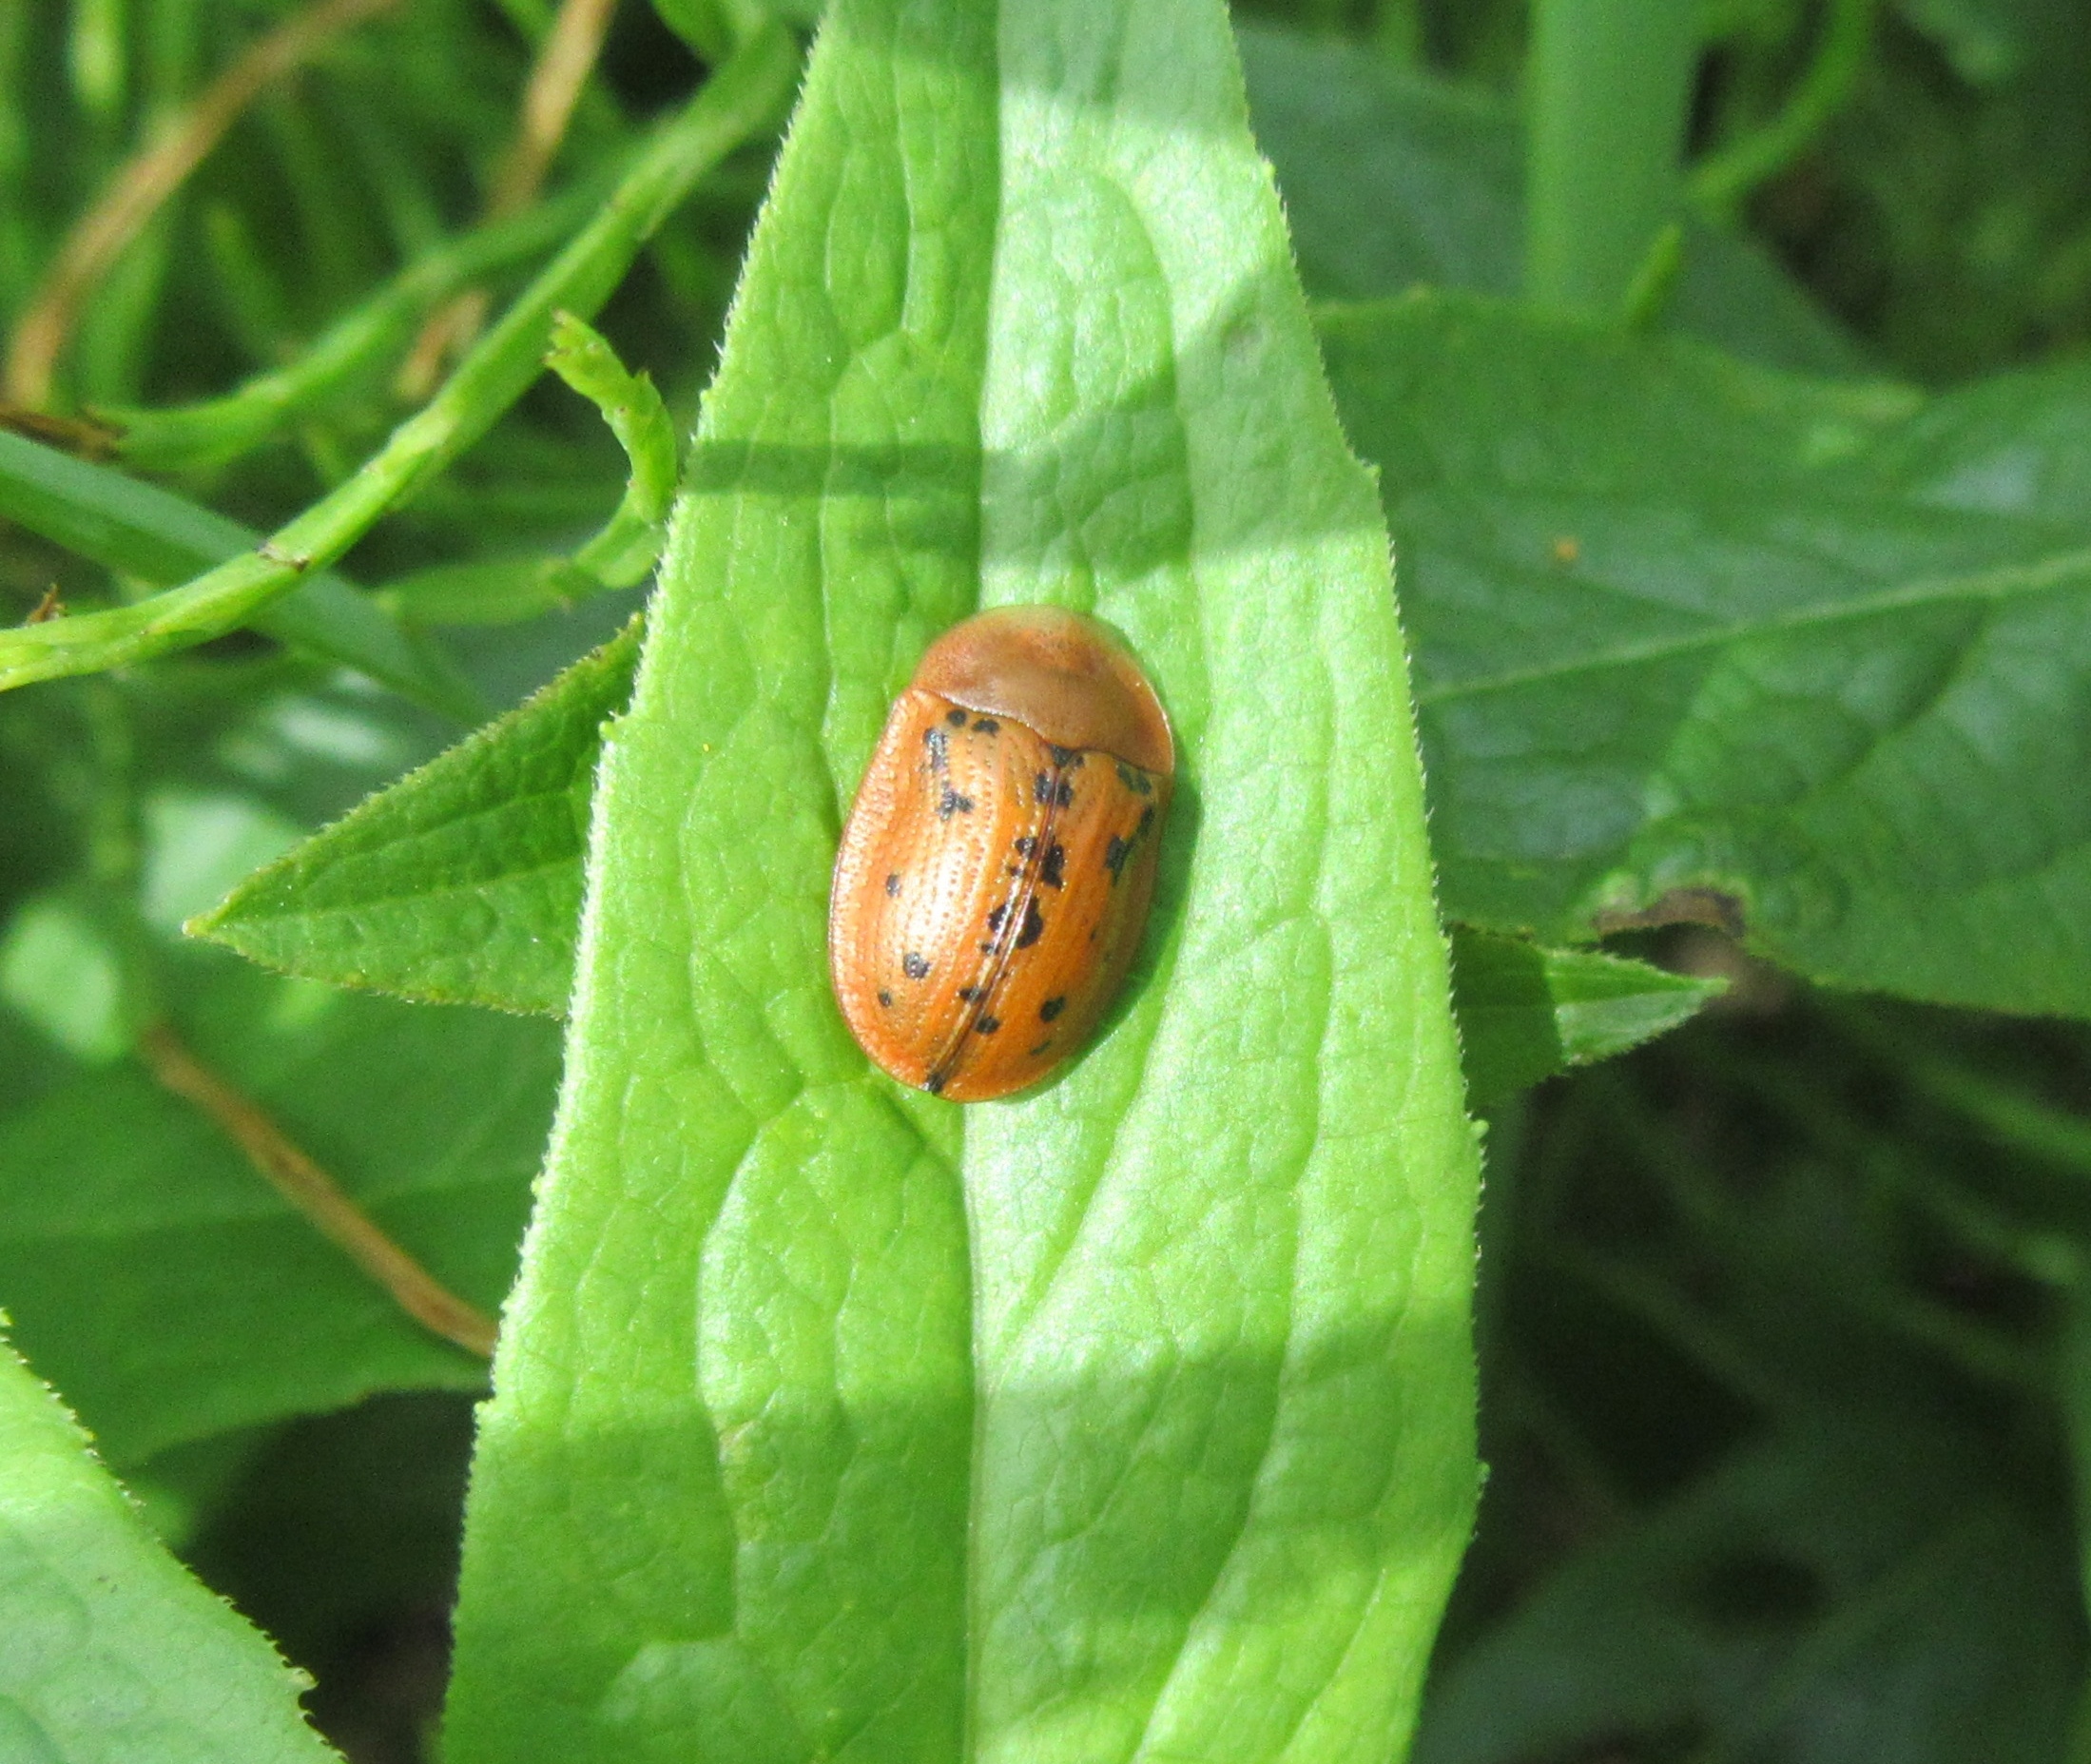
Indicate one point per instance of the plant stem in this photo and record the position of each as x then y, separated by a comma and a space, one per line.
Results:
1723, 179
739, 99
214, 430
314, 1193
1607, 86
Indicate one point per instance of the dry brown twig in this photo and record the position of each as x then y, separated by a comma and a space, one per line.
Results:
314, 1193
565, 59
142, 187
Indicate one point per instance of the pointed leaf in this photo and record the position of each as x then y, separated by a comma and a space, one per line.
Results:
461, 884
386, 899
1702, 641
1132, 1417
108, 1650
1527, 1011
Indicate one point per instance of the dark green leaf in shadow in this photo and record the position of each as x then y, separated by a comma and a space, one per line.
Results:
1696, 640
172, 1294
1394, 179
1836, 1595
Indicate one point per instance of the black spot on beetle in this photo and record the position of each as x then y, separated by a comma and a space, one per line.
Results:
1025, 845
934, 1082
914, 966
1052, 1007
1135, 780
885, 998
956, 718
893, 884
1034, 1053
1147, 819
971, 993
1067, 759
1046, 788
1115, 853
938, 744
1034, 925
996, 915
1049, 867
986, 725
953, 803
987, 1025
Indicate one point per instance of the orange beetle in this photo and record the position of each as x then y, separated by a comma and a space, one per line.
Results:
995, 872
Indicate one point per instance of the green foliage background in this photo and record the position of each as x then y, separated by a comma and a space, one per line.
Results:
1749, 628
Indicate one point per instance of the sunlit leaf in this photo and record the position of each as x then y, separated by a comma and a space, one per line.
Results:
108, 1650
1133, 1417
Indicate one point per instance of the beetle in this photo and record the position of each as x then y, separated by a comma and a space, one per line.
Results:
995, 871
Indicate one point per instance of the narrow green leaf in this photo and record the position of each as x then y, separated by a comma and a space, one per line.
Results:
1526, 1012
499, 590
461, 884
108, 1651
1134, 1418
160, 537
1695, 639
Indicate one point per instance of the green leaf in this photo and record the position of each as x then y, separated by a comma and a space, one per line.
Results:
461, 884
1132, 1416
500, 590
108, 1650
1828, 1569
1445, 165
1696, 640
159, 537
1526, 1013
173, 1294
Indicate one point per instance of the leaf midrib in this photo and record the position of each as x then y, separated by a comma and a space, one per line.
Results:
2005, 582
